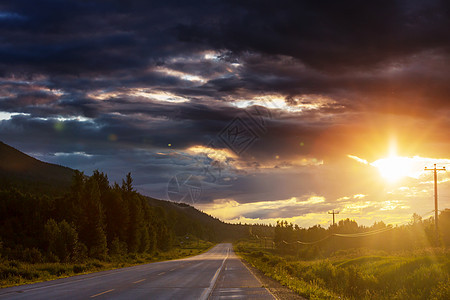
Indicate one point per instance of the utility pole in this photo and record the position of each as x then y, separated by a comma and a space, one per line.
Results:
435, 199
333, 213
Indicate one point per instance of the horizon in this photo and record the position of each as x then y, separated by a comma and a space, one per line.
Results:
429, 215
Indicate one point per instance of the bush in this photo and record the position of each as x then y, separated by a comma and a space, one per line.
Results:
117, 247
33, 255
54, 269
78, 269
373, 276
81, 252
29, 275
6, 272
14, 264
274, 261
441, 291
52, 258
95, 264
256, 254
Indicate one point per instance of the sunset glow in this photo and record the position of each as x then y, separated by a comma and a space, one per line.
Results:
394, 168
296, 105
309, 138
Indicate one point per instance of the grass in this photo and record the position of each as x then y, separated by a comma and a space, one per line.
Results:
16, 272
408, 275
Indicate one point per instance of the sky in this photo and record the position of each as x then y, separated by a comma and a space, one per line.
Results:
251, 111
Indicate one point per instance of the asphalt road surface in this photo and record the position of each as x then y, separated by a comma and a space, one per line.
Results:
216, 274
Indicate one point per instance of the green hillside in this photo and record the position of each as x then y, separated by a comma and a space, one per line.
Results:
201, 224
43, 206
31, 175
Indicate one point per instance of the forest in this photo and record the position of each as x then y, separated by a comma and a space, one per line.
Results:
96, 219
317, 241
57, 222
351, 261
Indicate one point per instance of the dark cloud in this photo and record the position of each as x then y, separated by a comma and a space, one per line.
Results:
82, 79
98, 37
328, 34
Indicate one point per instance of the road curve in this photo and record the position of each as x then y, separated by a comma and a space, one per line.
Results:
216, 274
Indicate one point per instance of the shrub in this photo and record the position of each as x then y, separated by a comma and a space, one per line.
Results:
54, 269
51, 257
81, 252
14, 264
6, 272
117, 247
256, 254
32, 255
78, 269
441, 291
274, 261
95, 264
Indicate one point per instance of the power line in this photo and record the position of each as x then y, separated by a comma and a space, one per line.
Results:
367, 233
333, 213
315, 242
344, 235
347, 235
436, 211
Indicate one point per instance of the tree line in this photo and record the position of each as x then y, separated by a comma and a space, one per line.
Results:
95, 219
347, 234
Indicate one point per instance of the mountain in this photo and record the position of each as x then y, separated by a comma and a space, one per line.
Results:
31, 175
184, 214
27, 174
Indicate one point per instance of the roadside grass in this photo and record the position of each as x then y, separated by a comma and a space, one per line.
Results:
422, 274
14, 273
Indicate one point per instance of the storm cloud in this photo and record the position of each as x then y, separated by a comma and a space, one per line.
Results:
141, 86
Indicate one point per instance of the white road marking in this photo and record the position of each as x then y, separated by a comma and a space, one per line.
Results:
99, 294
206, 293
51, 285
275, 297
139, 281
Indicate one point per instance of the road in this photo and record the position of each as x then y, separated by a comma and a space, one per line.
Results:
216, 274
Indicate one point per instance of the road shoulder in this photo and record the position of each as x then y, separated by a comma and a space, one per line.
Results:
277, 289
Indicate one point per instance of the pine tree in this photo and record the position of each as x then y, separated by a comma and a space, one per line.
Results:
91, 221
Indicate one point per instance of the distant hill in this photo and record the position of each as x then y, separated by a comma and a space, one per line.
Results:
182, 211
27, 174
31, 175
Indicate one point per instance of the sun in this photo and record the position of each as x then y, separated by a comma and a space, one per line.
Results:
393, 168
